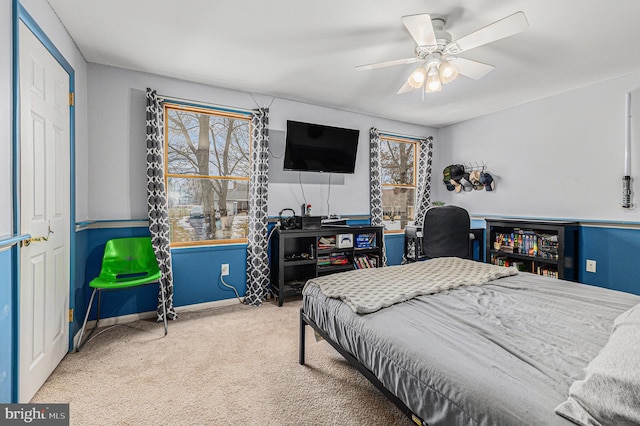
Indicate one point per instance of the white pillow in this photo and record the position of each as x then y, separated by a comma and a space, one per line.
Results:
610, 392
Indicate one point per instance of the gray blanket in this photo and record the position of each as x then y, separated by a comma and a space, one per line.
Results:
369, 290
504, 353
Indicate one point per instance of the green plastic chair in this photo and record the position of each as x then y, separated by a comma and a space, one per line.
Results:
126, 263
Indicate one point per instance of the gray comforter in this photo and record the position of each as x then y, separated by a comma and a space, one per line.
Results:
502, 353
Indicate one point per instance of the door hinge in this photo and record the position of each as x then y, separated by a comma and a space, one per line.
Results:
71, 315
72, 99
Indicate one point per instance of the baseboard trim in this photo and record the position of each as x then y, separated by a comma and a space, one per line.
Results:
124, 319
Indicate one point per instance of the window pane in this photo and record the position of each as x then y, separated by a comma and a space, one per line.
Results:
207, 144
398, 207
208, 209
397, 162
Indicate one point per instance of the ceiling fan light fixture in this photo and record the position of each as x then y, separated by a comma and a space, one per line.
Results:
447, 72
417, 78
433, 81
437, 51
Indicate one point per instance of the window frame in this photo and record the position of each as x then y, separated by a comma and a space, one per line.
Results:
416, 147
210, 110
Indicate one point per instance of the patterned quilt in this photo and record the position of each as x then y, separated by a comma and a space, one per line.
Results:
369, 290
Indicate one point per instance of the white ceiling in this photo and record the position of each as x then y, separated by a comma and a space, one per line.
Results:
306, 50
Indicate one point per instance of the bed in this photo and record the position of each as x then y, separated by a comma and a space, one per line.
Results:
503, 348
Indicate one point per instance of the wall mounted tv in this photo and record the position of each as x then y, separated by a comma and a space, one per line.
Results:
318, 148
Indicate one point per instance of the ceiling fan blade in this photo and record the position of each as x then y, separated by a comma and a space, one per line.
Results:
472, 69
420, 28
505, 27
405, 88
387, 64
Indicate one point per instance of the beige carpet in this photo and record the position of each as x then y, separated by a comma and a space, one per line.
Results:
226, 366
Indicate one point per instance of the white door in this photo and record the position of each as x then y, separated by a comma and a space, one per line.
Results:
44, 212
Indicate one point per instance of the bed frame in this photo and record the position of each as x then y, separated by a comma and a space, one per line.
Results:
305, 320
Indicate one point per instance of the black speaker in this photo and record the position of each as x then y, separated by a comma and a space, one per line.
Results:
288, 222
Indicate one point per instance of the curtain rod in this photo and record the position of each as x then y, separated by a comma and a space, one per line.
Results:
405, 136
200, 103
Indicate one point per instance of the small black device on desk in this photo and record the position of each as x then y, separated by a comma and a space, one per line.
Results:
311, 222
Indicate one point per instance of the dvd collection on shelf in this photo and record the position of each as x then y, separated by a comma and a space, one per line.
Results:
547, 248
528, 243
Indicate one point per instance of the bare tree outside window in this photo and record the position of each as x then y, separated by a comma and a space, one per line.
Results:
398, 158
207, 164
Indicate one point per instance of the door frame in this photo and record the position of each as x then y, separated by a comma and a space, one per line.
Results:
19, 13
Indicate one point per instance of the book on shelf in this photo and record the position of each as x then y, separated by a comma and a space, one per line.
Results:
338, 259
326, 242
365, 261
365, 240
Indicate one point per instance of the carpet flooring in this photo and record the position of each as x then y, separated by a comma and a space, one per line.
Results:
223, 366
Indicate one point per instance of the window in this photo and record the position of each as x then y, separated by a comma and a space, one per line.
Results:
207, 168
398, 157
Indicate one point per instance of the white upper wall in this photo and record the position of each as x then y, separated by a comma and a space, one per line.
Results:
559, 157
117, 177
6, 218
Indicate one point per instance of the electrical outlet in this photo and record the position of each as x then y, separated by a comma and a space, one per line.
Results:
591, 266
224, 270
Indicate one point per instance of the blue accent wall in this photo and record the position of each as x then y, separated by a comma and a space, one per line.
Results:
6, 325
196, 275
617, 256
394, 248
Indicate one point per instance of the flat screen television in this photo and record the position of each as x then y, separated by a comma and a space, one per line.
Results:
318, 148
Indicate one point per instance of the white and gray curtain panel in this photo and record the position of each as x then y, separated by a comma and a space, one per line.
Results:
257, 244
157, 202
375, 191
423, 190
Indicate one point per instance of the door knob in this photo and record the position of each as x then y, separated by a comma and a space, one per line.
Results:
28, 241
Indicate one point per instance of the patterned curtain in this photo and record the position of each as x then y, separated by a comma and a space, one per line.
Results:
423, 189
157, 202
375, 174
257, 255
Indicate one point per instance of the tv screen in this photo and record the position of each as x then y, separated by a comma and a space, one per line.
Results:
318, 148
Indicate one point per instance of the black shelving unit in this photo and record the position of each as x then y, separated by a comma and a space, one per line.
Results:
298, 255
541, 247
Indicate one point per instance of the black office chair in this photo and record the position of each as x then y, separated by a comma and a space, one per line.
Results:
446, 232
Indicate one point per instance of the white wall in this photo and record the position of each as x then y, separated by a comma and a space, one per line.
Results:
6, 97
558, 157
117, 174
50, 24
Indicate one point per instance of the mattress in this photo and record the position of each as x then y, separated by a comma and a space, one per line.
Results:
504, 353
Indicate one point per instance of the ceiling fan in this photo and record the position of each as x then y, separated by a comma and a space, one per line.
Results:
438, 53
